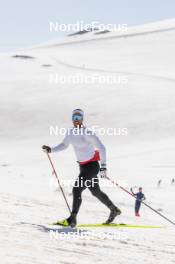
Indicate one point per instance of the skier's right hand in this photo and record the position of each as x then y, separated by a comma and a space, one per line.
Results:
46, 149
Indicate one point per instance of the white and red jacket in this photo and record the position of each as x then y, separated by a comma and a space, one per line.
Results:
86, 144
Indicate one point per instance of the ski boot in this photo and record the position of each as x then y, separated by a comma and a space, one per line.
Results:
113, 213
70, 221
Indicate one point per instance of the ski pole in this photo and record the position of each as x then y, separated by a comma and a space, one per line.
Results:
125, 190
56, 175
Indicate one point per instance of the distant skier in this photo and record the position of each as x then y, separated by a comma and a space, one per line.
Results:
139, 198
89, 150
172, 182
159, 183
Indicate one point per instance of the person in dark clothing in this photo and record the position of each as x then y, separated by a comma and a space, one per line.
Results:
159, 183
139, 198
172, 182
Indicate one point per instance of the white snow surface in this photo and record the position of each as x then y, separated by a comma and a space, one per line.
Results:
31, 101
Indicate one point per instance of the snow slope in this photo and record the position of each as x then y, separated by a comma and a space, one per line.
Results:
32, 98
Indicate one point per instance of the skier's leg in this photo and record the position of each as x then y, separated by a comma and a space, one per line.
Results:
92, 170
78, 188
137, 207
96, 191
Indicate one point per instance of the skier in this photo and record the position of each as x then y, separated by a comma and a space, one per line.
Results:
139, 198
159, 183
89, 150
172, 182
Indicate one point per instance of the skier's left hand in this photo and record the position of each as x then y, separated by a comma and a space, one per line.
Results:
103, 171
46, 149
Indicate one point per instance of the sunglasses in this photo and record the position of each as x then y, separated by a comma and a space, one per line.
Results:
77, 118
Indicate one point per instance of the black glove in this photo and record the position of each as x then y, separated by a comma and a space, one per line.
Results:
103, 171
46, 149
